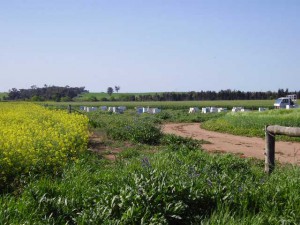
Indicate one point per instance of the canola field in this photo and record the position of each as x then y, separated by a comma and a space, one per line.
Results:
34, 139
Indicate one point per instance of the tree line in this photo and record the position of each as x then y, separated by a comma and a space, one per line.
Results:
46, 93
56, 93
208, 95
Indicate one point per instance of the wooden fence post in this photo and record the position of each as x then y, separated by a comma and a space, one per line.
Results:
69, 109
270, 132
269, 151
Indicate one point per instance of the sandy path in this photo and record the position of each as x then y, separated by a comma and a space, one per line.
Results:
245, 146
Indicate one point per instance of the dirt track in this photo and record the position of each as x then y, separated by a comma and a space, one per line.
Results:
285, 152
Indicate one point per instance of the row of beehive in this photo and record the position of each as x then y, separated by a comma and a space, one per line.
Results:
140, 110
215, 109
120, 109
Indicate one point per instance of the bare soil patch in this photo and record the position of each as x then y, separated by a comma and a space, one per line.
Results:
285, 152
98, 144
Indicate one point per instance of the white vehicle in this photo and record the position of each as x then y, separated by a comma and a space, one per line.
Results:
285, 102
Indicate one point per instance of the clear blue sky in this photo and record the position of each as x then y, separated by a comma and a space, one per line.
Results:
151, 45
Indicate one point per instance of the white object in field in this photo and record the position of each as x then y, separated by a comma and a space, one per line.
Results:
245, 110
205, 110
84, 108
154, 110
213, 109
261, 109
145, 110
193, 110
292, 97
110, 109
115, 110
282, 103
139, 110
237, 109
120, 109
222, 110
90, 109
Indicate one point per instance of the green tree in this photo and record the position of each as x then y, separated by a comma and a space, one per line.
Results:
117, 88
110, 90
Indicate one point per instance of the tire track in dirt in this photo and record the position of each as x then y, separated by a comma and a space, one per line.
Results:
285, 152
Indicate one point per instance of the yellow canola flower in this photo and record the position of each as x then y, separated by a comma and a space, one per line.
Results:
35, 138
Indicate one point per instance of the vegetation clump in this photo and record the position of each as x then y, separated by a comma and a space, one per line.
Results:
34, 139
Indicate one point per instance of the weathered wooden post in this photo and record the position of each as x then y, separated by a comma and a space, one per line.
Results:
69, 109
270, 132
269, 151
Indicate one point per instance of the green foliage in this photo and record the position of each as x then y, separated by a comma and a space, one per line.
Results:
37, 98
143, 131
253, 123
92, 98
3, 95
176, 143
166, 188
129, 153
66, 99
137, 129
110, 90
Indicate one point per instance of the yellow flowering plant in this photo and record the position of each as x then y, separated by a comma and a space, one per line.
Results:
33, 138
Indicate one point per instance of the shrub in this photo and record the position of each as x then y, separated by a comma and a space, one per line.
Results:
137, 130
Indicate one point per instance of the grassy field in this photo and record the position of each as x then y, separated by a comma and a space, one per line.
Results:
156, 179
248, 104
252, 123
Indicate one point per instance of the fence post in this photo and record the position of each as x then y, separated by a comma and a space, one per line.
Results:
69, 109
269, 151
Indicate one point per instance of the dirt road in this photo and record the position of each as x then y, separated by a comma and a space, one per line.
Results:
285, 152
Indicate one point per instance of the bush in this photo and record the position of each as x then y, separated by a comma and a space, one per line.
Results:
176, 143
137, 130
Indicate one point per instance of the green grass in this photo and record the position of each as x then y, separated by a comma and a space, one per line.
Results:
253, 123
163, 188
248, 104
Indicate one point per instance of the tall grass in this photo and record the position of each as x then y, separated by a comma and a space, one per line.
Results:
253, 123
165, 188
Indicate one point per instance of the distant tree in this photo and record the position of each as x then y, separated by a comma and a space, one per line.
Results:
110, 90
117, 88
50, 93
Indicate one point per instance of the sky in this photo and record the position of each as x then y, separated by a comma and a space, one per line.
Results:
150, 45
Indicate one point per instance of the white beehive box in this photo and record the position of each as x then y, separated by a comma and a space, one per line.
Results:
205, 110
